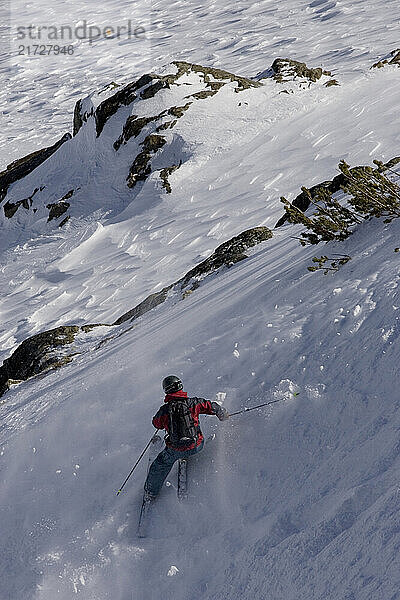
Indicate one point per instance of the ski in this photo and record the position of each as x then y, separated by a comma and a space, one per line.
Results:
182, 479
142, 526
182, 489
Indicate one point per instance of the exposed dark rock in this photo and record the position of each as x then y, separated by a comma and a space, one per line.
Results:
10, 208
206, 72
141, 168
202, 95
134, 125
91, 326
132, 128
215, 85
331, 82
123, 97
154, 142
78, 120
227, 254
152, 90
179, 111
25, 165
37, 354
396, 57
110, 86
391, 163
82, 112
167, 125
302, 201
41, 353
57, 209
68, 195
148, 304
165, 173
393, 59
209, 74
64, 221
284, 69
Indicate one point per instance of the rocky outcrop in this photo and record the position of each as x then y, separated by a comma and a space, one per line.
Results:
132, 128
286, 69
10, 208
84, 109
331, 82
123, 97
141, 168
213, 76
23, 166
227, 254
78, 118
392, 59
109, 86
148, 304
156, 149
164, 176
37, 354
204, 82
152, 84
302, 201
47, 351
214, 80
57, 209
152, 90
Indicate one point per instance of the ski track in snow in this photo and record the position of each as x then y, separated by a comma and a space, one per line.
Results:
298, 501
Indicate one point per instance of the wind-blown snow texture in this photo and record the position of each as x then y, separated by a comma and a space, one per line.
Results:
299, 501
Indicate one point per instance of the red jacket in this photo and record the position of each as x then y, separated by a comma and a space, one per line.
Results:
197, 407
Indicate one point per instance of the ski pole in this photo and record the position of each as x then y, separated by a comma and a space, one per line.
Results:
239, 412
137, 462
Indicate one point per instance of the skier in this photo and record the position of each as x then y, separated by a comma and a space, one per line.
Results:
179, 416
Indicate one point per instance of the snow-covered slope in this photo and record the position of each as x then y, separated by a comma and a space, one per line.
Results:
297, 501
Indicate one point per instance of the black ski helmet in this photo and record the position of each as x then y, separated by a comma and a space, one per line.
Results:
172, 384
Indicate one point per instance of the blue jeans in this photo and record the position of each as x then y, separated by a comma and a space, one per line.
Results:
162, 465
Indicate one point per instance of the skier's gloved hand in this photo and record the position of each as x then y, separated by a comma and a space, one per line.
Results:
220, 411
223, 415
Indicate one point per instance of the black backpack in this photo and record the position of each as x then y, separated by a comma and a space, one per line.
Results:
181, 428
